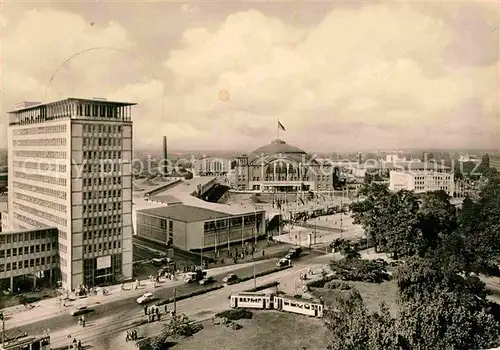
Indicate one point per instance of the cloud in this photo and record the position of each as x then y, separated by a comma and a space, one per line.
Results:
364, 76
42, 61
188, 8
3, 21
393, 65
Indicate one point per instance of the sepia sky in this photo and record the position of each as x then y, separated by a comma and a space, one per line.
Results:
340, 75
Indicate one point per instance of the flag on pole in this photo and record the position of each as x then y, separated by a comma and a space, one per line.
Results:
280, 126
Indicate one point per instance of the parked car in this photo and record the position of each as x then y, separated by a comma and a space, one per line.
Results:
230, 278
145, 298
80, 310
207, 280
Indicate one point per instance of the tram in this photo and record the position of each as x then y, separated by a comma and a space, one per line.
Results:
252, 300
272, 301
298, 306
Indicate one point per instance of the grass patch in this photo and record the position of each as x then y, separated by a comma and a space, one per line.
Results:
372, 293
266, 330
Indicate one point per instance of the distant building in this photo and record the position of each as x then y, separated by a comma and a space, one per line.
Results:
468, 158
193, 228
27, 342
70, 168
421, 181
209, 166
28, 253
383, 168
3, 181
279, 167
495, 162
393, 158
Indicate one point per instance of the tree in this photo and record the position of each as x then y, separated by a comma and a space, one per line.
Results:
370, 212
475, 244
403, 235
352, 327
446, 321
345, 248
440, 309
437, 218
389, 219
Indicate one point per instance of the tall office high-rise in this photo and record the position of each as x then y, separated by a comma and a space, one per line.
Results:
70, 168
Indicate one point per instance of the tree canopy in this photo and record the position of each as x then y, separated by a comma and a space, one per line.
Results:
437, 310
442, 305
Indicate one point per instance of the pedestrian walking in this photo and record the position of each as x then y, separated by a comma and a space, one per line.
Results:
166, 310
135, 334
127, 338
145, 310
157, 311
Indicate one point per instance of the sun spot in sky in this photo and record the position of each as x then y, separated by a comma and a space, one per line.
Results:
224, 95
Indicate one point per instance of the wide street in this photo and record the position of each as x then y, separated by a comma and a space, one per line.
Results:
126, 306
101, 332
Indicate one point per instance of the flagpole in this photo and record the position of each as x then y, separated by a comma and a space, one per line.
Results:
278, 129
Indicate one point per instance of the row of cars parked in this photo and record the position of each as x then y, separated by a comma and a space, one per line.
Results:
191, 277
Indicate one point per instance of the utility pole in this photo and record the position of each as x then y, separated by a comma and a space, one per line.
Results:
254, 276
174, 318
175, 301
341, 213
201, 251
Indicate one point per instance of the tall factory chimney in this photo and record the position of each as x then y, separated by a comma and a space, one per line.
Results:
165, 158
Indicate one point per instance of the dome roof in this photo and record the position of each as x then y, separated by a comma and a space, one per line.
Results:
276, 147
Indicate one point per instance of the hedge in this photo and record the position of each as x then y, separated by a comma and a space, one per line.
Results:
235, 314
189, 295
260, 274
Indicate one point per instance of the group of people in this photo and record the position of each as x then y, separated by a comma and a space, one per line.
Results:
153, 312
131, 335
77, 344
194, 268
81, 321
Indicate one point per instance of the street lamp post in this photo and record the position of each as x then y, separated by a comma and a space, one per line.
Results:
254, 276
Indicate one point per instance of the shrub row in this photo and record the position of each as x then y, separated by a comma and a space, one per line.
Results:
189, 295
260, 274
263, 286
340, 285
321, 282
359, 270
235, 314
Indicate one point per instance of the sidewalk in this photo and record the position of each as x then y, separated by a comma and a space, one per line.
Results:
109, 332
19, 315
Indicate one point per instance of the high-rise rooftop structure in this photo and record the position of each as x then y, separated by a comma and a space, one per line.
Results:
70, 168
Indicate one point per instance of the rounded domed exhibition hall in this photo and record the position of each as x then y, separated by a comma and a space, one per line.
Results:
281, 167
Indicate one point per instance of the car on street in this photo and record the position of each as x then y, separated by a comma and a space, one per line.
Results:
283, 262
145, 298
161, 261
80, 310
207, 280
230, 278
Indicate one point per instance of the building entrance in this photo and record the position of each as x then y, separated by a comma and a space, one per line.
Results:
102, 270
